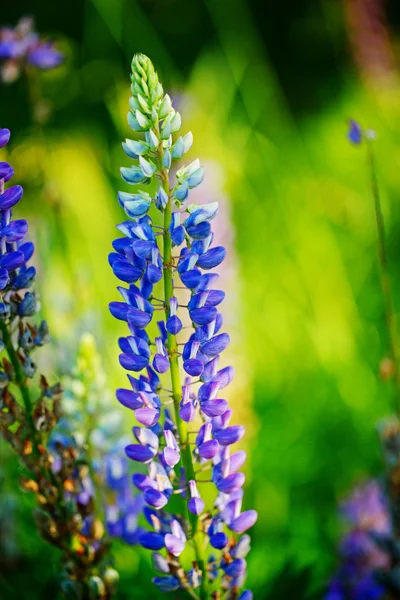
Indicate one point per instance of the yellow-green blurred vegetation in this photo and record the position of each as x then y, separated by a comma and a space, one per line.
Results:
267, 93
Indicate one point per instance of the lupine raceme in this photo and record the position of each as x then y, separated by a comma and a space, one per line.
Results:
186, 470
54, 465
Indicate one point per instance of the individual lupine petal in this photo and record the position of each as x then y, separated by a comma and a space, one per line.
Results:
24, 278
206, 281
153, 273
134, 123
146, 437
201, 214
242, 548
27, 249
140, 453
216, 345
232, 483
4, 137
136, 147
132, 175
181, 192
10, 197
9, 175
133, 362
188, 262
200, 231
188, 141
244, 521
4, 278
151, 540
174, 324
167, 584
147, 416
12, 260
167, 159
142, 482
142, 120
236, 568
178, 148
125, 271
196, 178
175, 541
153, 379
215, 297
209, 449
163, 333
236, 460
230, 435
203, 315
160, 563
119, 310
5, 169
160, 361
191, 278
219, 540
210, 369
15, 231
195, 504
171, 451
155, 498
192, 365
129, 399
208, 391
161, 199
214, 408
165, 107
143, 248
159, 474
212, 258
224, 377
138, 318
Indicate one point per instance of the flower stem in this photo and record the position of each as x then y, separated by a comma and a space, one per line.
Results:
172, 346
20, 378
390, 314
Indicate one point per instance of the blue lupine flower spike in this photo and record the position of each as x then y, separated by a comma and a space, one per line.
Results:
54, 465
169, 268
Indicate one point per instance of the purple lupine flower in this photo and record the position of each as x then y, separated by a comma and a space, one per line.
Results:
15, 273
22, 45
362, 557
179, 362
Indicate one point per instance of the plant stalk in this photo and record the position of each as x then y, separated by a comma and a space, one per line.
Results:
390, 314
173, 353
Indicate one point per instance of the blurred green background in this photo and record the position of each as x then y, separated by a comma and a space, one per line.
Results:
266, 89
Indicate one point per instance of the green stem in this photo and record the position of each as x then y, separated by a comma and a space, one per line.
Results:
20, 378
390, 314
173, 353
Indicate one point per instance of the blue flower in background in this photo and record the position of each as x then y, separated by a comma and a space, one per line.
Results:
354, 133
361, 558
21, 46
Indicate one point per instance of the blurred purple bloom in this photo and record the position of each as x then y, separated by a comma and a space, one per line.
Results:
354, 133
361, 557
22, 44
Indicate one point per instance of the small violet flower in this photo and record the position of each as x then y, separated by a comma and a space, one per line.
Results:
21, 46
363, 559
